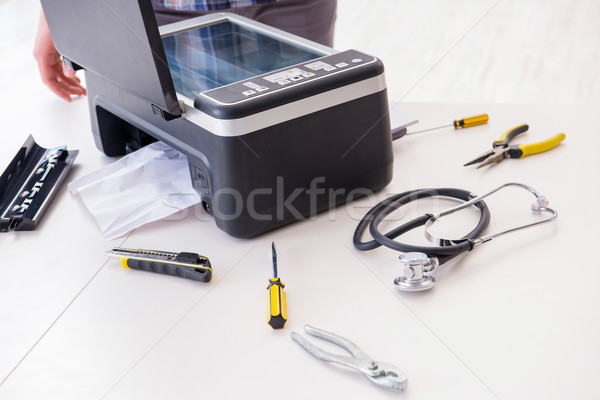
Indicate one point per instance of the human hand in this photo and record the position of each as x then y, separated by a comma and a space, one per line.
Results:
57, 76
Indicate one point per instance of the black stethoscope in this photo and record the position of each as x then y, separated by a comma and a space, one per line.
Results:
419, 261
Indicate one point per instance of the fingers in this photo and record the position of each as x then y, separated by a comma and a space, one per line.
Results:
68, 72
62, 84
67, 78
64, 89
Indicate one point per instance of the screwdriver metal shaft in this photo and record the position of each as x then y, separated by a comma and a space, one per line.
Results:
466, 122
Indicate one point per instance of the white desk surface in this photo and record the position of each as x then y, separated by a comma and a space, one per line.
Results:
518, 318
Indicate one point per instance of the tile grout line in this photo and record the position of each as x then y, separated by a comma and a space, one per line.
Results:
172, 328
440, 340
59, 316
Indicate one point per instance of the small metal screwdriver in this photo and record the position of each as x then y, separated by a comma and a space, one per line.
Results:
466, 122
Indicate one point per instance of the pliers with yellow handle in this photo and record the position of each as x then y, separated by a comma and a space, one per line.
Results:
501, 148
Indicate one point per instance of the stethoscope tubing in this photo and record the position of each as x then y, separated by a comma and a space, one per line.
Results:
377, 215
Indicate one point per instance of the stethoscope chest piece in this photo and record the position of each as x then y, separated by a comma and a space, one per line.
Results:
416, 265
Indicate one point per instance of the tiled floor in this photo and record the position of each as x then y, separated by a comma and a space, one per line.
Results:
510, 51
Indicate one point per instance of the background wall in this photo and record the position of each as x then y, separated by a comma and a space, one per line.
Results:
511, 51
514, 51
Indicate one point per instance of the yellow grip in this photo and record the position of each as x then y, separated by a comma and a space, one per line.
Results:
277, 300
277, 306
540, 147
473, 120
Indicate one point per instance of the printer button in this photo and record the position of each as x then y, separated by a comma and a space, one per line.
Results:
261, 88
251, 85
317, 65
283, 82
248, 92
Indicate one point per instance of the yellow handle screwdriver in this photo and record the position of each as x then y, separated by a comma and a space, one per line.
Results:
277, 306
466, 122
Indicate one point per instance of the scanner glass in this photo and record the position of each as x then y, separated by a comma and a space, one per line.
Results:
219, 54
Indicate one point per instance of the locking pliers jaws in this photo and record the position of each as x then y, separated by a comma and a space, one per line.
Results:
378, 372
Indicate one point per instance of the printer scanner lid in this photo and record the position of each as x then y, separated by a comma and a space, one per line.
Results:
118, 40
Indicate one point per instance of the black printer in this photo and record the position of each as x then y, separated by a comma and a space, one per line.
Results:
276, 128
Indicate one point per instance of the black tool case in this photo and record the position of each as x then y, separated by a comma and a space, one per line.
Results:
276, 146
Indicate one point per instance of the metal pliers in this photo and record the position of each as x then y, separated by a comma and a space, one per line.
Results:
378, 372
501, 149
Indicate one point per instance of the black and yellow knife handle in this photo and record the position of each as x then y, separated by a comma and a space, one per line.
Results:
524, 150
202, 273
510, 135
473, 120
277, 306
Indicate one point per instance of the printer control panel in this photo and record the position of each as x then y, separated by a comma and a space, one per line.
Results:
289, 78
